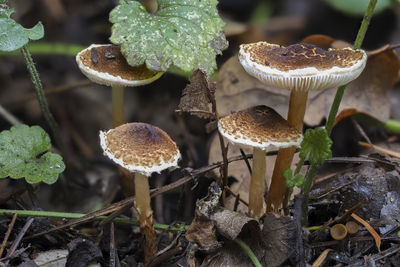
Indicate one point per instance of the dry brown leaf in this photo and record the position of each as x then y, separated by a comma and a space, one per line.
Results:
272, 247
370, 230
321, 258
369, 93
198, 95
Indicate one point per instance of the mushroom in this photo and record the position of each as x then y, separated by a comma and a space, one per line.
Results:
352, 227
141, 149
338, 231
104, 64
299, 68
258, 127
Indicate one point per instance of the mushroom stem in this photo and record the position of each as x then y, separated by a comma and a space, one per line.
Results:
257, 184
277, 191
142, 205
118, 114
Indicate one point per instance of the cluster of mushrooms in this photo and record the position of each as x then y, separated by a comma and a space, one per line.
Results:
143, 149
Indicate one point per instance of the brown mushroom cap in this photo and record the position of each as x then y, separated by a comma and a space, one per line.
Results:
104, 64
260, 127
352, 227
301, 66
338, 231
140, 147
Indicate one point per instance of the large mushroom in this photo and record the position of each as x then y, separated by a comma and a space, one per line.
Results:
141, 149
299, 68
258, 127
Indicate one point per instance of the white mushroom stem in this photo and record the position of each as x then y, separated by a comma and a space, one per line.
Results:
257, 184
277, 191
118, 113
142, 205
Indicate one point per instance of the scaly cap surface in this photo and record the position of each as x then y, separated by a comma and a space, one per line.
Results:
140, 147
301, 66
104, 64
260, 127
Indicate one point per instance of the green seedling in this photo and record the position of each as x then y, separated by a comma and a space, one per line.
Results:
15, 37
24, 154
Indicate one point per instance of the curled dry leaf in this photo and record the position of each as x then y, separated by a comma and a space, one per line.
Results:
273, 246
198, 96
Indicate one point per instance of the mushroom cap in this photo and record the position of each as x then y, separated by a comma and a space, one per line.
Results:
352, 227
338, 231
259, 126
104, 64
301, 66
140, 147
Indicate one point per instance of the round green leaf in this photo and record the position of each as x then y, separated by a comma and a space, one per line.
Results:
21, 150
12, 35
187, 34
316, 145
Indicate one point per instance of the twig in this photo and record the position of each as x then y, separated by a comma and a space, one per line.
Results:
235, 195
10, 118
382, 49
18, 240
10, 227
380, 149
113, 254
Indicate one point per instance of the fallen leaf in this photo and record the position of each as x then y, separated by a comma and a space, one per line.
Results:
321, 258
198, 95
272, 247
370, 230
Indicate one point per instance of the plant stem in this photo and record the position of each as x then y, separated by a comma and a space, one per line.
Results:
67, 215
117, 99
290, 190
357, 45
306, 191
257, 184
392, 125
37, 84
249, 252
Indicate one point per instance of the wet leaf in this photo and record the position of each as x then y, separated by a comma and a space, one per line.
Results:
12, 35
23, 155
185, 34
316, 146
198, 95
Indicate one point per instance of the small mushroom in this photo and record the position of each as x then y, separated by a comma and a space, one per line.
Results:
142, 149
352, 227
299, 68
338, 231
104, 64
258, 127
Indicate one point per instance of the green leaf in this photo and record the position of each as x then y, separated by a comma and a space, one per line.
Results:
358, 7
292, 181
316, 145
21, 155
187, 34
12, 35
